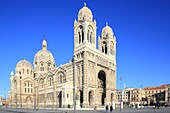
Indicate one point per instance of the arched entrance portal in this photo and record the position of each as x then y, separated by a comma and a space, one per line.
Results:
112, 95
60, 99
29, 101
91, 100
80, 93
102, 86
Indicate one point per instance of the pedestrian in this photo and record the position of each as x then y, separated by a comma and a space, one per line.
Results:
107, 108
111, 108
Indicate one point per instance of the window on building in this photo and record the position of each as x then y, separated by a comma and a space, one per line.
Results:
60, 78
42, 67
27, 71
23, 71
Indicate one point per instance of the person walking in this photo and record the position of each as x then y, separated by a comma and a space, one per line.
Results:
111, 108
107, 108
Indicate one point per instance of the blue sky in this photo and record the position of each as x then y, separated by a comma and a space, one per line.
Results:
142, 29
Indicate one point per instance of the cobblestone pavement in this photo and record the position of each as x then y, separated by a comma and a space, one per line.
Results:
127, 110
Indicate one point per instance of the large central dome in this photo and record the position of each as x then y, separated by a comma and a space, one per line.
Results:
43, 57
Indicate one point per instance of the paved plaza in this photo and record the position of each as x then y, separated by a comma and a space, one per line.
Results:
127, 110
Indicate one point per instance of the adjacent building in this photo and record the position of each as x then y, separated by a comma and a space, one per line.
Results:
122, 96
151, 95
91, 70
0, 100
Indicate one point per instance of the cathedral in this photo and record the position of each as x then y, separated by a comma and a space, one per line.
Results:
89, 78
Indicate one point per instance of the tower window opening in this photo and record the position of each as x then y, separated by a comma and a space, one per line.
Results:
91, 37
79, 38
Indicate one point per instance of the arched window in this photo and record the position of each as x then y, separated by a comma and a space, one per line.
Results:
42, 67
27, 71
49, 66
41, 83
50, 81
28, 87
89, 34
60, 78
112, 48
23, 71
104, 47
79, 38
81, 34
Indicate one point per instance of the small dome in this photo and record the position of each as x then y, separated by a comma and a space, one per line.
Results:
12, 73
85, 10
107, 30
85, 13
24, 63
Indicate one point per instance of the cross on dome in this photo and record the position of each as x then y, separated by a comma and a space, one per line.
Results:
106, 23
84, 4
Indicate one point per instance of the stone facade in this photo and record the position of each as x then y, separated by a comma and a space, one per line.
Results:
92, 70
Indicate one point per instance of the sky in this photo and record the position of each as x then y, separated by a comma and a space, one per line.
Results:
141, 27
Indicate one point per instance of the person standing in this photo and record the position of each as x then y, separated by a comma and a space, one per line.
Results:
107, 108
111, 108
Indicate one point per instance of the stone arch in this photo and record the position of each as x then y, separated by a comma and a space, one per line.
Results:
91, 97
102, 86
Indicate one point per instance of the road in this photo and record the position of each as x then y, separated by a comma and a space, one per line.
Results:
162, 110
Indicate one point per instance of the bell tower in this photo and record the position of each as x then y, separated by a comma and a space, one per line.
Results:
84, 30
107, 41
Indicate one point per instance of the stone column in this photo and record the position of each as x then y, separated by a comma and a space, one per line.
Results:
85, 66
45, 95
107, 87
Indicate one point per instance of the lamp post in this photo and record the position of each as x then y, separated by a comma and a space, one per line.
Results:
74, 98
5, 97
141, 96
20, 92
16, 96
121, 93
35, 106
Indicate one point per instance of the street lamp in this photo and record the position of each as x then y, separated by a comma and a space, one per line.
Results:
16, 96
35, 79
141, 96
74, 98
121, 93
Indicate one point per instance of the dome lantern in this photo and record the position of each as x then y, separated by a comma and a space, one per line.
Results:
44, 45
